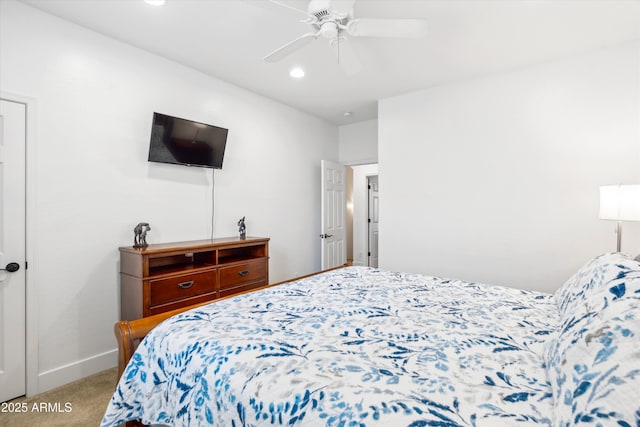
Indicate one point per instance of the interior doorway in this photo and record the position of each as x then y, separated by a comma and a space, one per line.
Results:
358, 212
373, 220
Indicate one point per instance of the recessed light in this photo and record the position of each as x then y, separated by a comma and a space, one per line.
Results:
155, 2
347, 113
296, 73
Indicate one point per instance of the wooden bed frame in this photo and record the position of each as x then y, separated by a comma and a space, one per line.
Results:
130, 332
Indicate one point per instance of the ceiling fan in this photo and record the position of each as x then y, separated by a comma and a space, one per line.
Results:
334, 21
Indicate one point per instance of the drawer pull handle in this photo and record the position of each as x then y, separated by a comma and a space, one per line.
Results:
185, 285
243, 272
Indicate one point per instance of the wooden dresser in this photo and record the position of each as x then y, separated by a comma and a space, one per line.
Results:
163, 277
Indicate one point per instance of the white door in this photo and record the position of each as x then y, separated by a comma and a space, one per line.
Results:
333, 223
374, 220
12, 250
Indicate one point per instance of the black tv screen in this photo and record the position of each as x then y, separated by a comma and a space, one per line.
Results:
185, 142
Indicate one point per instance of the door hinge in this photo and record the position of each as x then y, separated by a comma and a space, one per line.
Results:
368, 219
369, 253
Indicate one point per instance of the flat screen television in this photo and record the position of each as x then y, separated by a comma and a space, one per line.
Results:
185, 142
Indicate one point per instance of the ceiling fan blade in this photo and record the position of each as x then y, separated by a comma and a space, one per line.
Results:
290, 47
347, 58
410, 28
343, 6
304, 12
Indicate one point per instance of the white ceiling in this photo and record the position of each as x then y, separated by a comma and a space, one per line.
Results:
227, 39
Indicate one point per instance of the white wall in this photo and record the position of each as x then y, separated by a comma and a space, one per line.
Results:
92, 182
358, 146
359, 143
496, 179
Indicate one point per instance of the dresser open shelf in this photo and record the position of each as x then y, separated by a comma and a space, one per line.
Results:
163, 277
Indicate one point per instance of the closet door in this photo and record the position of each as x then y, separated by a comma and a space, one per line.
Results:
12, 250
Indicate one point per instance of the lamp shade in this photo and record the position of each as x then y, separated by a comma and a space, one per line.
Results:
620, 202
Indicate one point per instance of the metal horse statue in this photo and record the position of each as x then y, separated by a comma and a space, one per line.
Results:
242, 229
140, 238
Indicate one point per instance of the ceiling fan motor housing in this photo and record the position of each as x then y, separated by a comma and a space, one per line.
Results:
328, 22
321, 9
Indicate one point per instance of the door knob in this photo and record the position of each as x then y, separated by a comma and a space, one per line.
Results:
326, 236
12, 267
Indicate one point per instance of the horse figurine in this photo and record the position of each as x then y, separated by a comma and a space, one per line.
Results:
242, 229
140, 238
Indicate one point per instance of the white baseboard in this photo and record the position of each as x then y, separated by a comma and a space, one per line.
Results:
77, 370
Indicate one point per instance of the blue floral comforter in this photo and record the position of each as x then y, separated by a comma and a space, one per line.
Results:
352, 347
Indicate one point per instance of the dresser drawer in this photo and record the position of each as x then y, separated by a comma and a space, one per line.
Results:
176, 288
251, 271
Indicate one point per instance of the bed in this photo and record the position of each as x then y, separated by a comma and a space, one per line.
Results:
360, 346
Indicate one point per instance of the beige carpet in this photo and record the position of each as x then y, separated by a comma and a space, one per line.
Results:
81, 403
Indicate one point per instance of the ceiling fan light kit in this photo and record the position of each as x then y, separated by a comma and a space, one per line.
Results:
329, 30
337, 26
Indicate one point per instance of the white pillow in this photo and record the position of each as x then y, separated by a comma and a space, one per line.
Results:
593, 359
